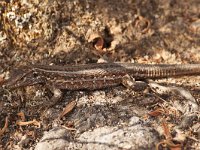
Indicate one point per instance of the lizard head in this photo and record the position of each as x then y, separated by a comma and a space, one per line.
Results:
21, 77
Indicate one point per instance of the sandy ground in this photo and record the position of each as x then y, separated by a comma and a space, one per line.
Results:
75, 32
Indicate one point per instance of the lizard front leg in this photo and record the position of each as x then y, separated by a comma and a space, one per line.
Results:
57, 95
47, 111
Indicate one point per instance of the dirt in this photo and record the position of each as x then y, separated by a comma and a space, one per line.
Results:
78, 32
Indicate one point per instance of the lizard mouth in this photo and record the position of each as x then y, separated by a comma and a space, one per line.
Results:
18, 78
21, 82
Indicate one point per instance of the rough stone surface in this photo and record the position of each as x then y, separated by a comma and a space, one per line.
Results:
53, 139
134, 135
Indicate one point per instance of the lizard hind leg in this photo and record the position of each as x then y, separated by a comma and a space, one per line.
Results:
130, 83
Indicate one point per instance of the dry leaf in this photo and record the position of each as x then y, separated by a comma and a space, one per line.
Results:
168, 142
5, 127
166, 130
21, 115
190, 104
143, 24
97, 40
34, 122
68, 109
157, 112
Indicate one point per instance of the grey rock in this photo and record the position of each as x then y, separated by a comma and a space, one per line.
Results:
54, 139
132, 137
